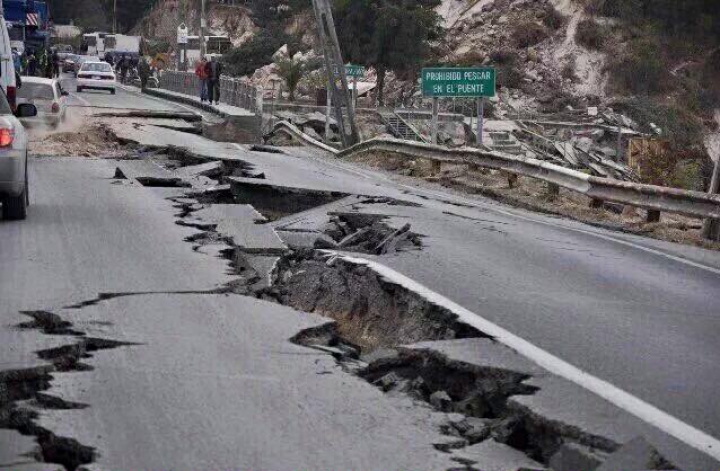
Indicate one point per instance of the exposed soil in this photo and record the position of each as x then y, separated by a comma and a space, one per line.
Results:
92, 140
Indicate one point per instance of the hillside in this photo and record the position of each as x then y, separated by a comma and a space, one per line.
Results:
656, 61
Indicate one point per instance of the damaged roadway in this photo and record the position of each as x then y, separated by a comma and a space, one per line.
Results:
204, 378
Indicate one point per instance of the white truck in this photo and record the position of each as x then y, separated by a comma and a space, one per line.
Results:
118, 44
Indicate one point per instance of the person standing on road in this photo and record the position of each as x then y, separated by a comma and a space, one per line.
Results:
109, 59
144, 73
214, 75
202, 74
32, 65
55, 64
123, 67
48, 66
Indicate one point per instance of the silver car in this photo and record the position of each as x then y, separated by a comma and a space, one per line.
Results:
14, 188
48, 97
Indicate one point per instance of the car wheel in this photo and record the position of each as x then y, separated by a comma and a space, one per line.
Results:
27, 187
112, 92
15, 208
79, 89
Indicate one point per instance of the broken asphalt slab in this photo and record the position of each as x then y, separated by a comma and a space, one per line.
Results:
240, 224
559, 408
212, 382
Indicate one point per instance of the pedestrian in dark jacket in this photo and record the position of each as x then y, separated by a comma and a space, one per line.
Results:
48, 67
55, 65
214, 72
32, 65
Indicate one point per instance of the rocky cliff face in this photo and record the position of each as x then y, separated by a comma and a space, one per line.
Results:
223, 20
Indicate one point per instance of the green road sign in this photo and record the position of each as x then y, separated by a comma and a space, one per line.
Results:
355, 71
458, 82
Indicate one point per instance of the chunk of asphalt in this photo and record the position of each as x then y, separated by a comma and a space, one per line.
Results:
148, 173
440, 400
239, 223
494, 456
635, 455
277, 201
572, 457
209, 169
32, 466
306, 240
17, 448
388, 244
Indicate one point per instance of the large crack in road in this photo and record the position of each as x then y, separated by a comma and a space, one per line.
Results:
376, 323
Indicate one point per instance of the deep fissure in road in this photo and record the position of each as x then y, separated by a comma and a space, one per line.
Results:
374, 318
28, 386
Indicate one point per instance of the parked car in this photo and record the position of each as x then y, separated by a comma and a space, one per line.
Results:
14, 185
96, 75
64, 48
69, 63
79, 62
48, 97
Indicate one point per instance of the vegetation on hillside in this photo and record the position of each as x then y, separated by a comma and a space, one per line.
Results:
389, 35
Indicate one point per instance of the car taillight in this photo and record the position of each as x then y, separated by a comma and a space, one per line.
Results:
12, 98
7, 135
55, 108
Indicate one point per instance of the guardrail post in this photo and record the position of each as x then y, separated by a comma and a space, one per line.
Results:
711, 228
653, 215
512, 180
552, 191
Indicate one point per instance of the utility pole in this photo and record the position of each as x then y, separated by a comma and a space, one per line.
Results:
711, 229
202, 29
114, 16
337, 77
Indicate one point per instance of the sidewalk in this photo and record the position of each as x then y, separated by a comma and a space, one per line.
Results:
221, 109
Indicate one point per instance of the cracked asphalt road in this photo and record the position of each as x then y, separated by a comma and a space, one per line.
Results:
643, 320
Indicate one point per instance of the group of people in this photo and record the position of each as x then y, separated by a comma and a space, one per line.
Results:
209, 74
42, 63
126, 64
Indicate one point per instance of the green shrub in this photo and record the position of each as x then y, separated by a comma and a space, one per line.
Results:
552, 18
642, 70
683, 129
473, 58
529, 34
590, 34
509, 73
568, 70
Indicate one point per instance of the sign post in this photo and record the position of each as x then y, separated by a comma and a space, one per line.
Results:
182, 40
355, 72
459, 82
480, 119
434, 122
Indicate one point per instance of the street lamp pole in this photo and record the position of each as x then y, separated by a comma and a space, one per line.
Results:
202, 29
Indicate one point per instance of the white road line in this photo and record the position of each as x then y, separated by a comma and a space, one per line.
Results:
674, 427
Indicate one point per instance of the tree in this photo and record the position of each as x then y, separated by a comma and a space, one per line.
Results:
291, 70
387, 34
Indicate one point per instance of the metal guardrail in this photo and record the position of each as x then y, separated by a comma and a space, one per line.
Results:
233, 92
658, 198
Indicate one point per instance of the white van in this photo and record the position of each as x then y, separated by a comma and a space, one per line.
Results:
7, 68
